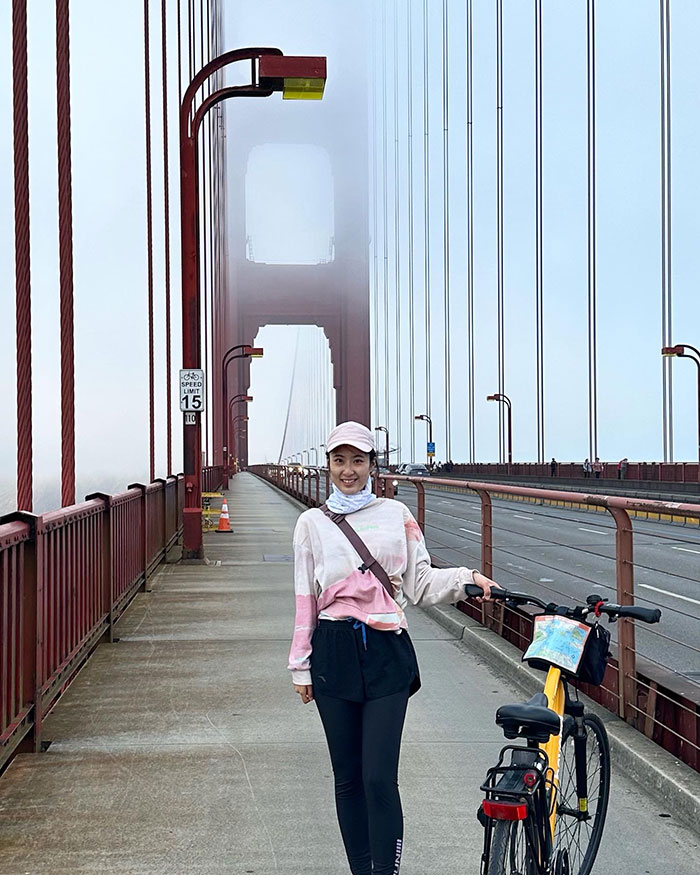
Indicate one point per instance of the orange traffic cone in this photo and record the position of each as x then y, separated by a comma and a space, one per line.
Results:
224, 525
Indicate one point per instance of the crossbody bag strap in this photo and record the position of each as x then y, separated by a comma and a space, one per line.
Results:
369, 563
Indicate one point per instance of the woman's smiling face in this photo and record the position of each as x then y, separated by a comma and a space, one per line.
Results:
349, 469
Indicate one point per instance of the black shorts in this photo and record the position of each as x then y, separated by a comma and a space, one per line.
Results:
348, 662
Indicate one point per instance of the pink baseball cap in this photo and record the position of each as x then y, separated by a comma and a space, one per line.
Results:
353, 434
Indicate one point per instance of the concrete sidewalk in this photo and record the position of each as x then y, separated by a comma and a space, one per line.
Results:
182, 749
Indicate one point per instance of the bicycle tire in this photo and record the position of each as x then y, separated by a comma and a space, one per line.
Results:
509, 853
580, 839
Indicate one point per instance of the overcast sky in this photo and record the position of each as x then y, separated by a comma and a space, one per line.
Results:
109, 230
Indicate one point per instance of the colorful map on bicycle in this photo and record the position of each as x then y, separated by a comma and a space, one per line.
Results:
558, 640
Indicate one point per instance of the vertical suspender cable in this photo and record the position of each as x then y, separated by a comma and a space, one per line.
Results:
397, 227
65, 251
499, 220
375, 221
204, 200
210, 219
446, 217
23, 287
411, 315
149, 235
666, 308
426, 199
538, 233
470, 236
385, 216
592, 285
166, 221
179, 52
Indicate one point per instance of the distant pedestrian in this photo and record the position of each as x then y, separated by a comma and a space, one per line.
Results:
622, 468
553, 467
587, 468
597, 468
351, 652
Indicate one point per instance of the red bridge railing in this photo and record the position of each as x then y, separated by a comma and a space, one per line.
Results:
643, 690
65, 579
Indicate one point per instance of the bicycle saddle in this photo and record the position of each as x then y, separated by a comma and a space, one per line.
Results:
533, 719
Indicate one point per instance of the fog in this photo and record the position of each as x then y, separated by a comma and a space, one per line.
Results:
110, 261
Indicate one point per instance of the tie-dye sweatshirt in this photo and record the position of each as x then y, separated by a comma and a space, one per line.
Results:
329, 584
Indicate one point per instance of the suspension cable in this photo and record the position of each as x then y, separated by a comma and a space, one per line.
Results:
446, 218
411, 315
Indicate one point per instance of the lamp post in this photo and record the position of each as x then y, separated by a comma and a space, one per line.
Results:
297, 78
237, 399
499, 396
236, 432
679, 351
247, 352
386, 443
430, 434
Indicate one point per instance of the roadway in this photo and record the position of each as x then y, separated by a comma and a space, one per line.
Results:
564, 555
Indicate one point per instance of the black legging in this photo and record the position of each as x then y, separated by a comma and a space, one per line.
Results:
364, 740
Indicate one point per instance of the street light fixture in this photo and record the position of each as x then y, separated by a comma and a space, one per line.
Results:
297, 78
425, 417
499, 396
386, 443
679, 351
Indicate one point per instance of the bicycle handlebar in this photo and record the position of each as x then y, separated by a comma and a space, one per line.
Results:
594, 605
646, 615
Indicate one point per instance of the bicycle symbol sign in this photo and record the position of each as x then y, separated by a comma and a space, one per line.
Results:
192, 390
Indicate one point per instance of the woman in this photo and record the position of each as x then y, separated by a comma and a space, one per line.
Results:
351, 651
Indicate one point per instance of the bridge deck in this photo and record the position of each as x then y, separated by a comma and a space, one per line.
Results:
181, 748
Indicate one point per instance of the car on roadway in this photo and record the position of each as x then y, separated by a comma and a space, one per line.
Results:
414, 469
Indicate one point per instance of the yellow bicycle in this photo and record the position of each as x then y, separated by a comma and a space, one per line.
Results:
545, 802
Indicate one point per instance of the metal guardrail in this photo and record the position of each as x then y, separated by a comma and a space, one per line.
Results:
654, 472
65, 579
649, 695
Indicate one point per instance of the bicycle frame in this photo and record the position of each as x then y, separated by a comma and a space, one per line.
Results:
555, 692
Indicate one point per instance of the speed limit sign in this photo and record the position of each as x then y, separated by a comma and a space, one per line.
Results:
192, 390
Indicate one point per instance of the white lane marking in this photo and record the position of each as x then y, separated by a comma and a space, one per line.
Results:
686, 549
478, 534
520, 567
674, 595
546, 580
595, 531
521, 517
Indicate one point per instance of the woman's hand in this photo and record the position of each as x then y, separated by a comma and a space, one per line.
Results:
485, 583
306, 691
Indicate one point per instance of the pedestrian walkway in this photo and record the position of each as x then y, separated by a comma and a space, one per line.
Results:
182, 750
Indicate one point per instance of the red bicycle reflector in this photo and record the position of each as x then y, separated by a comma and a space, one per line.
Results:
529, 779
504, 810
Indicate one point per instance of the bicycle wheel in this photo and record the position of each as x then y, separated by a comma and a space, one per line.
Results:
576, 840
510, 853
